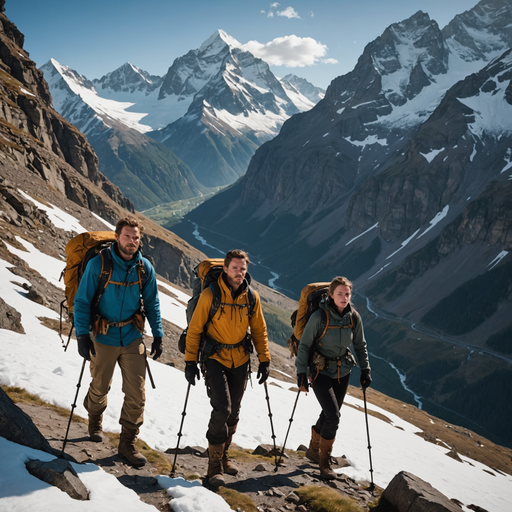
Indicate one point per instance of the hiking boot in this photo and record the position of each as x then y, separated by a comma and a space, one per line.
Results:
95, 432
313, 452
215, 471
127, 447
228, 465
325, 459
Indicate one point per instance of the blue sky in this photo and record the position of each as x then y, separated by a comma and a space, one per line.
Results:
317, 40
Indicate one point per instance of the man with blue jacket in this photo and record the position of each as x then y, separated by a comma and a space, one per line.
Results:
117, 326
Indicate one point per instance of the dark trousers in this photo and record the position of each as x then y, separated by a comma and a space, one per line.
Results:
226, 388
330, 394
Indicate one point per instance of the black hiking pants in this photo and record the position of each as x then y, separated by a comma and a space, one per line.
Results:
225, 388
330, 394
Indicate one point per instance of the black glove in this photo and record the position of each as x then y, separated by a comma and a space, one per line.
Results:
302, 380
366, 379
85, 345
191, 372
263, 372
156, 348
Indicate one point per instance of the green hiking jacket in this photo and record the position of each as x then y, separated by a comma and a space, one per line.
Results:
334, 343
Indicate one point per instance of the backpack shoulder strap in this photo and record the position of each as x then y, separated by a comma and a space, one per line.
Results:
324, 324
104, 278
215, 301
355, 318
252, 300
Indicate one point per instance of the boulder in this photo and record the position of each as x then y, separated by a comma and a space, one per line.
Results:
409, 493
59, 473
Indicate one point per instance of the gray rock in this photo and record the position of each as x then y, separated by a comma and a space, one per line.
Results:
409, 493
260, 467
59, 473
16, 426
293, 498
10, 318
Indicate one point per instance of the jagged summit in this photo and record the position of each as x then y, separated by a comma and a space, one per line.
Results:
219, 37
128, 79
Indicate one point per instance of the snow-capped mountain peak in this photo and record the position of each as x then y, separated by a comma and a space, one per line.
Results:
128, 79
218, 40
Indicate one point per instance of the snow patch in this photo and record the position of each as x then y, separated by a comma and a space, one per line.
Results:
496, 260
364, 233
438, 218
433, 153
404, 243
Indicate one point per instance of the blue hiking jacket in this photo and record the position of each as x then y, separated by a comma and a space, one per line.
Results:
118, 302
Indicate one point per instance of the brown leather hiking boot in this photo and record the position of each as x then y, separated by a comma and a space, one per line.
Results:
228, 465
127, 447
313, 451
215, 470
95, 431
325, 459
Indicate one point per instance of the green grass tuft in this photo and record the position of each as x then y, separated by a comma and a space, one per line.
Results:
325, 499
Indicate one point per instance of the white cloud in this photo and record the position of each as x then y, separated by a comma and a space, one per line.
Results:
289, 12
330, 61
312, 14
270, 14
275, 5
290, 51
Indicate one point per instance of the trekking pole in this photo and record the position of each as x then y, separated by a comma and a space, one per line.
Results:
149, 371
73, 405
288, 431
183, 414
372, 486
271, 423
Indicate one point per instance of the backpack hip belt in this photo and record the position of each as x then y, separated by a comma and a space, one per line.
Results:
101, 325
211, 346
320, 362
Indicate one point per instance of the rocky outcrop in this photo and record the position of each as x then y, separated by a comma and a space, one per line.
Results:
10, 318
29, 124
16, 426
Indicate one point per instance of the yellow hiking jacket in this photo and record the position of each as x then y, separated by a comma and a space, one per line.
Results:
229, 326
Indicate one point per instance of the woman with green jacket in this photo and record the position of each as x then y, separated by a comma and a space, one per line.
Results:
330, 365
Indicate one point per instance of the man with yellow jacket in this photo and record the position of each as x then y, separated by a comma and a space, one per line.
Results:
226, 361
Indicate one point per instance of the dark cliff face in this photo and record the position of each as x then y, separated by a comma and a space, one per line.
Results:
45, 156
26, 109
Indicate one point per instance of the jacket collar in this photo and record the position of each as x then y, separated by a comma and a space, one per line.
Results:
328, 305
116, 258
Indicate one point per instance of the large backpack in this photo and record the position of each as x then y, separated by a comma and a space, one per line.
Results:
310, 298
80, 250
206, 276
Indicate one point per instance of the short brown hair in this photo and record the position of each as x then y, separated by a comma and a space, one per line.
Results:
129, 221
339, 281
236, 253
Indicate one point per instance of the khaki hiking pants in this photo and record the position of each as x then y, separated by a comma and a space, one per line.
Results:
132, 362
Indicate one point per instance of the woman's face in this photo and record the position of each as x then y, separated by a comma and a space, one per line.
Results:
341, 296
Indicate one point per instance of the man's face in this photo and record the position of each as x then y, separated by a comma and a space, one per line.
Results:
128, 242
235, 272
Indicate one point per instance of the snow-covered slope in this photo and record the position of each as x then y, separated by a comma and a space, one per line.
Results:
36, 362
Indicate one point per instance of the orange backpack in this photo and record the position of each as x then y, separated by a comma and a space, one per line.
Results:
80, 250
